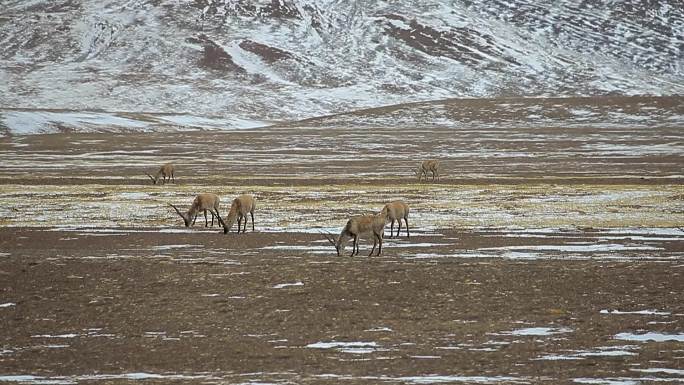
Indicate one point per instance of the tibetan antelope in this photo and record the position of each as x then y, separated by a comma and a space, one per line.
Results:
241, 206
398, 210
428, 166
203, 202
373, 224
165, 171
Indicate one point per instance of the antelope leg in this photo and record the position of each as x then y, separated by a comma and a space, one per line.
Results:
380, 247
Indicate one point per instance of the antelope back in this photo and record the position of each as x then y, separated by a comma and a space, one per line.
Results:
365, 224
166, 169
397, 209
206, 201
245, 203
361, 224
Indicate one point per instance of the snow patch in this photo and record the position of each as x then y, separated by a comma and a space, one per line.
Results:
284, 285
649, 336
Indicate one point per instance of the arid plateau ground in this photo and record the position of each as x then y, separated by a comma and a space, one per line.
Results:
547, 253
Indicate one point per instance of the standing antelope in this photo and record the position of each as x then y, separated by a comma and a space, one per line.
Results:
398, 210
165, 171
241, 206
428, 165
203, 202
373, 224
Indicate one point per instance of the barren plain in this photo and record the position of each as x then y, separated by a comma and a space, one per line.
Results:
546, 253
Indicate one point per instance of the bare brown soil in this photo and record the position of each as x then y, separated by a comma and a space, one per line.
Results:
167, 312
100, 303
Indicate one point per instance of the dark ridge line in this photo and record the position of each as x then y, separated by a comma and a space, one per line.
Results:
361, 111
394, 107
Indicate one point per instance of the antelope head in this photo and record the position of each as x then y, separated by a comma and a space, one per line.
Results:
338, 246
154, 180
185, 217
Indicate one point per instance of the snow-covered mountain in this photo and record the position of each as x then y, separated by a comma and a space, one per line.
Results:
294, 59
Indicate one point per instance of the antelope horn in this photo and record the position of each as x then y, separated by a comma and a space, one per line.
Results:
151, 177
329, 237
221, 222
178, 211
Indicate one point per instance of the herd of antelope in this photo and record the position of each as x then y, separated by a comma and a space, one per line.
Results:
371, 224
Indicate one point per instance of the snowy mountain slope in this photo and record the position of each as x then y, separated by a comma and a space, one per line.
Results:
294, 59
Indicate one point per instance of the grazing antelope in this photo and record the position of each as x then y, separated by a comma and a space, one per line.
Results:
165, 171
241, 206
203, 202
373, 224
398, 210
428, 165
